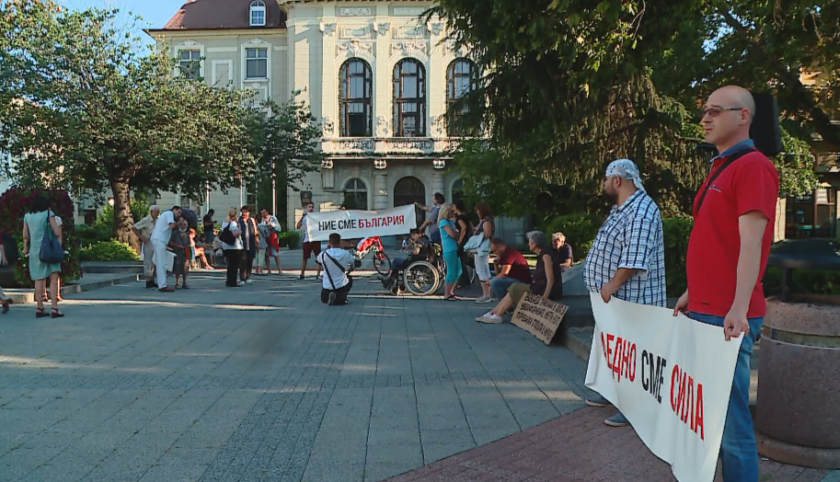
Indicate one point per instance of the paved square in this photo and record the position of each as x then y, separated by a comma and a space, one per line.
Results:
264, 383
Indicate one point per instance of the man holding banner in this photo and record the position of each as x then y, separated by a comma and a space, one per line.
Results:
627, 258
734, 215
310, 247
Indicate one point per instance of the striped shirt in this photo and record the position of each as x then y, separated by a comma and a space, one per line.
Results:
631, 238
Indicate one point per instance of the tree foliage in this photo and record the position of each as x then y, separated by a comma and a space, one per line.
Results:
82, 108
569, 85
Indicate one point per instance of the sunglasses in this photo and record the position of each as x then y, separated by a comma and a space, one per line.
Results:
716, 111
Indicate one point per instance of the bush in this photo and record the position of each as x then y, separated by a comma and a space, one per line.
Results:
111, 250
88, 235
14, 204
580, 230
289, 238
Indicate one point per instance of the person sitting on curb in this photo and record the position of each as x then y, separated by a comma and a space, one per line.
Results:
547, 281
337, 264
511, 267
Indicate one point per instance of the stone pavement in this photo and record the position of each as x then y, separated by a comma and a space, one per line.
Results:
264, 383
578, 448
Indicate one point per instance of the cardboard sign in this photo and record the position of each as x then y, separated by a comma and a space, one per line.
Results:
353, 224
539, 316
670, 376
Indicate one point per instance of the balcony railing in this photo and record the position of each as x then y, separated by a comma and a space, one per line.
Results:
378, 146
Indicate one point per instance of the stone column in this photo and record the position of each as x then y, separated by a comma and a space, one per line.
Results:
380, 189
436, 81
437, 184
382, 100
329, 80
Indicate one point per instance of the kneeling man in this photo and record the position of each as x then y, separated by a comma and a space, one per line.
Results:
337, 264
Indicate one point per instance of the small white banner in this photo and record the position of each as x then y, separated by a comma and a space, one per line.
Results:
352, 224
670, 376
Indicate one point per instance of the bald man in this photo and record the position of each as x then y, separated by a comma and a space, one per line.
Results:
143, 230
734, 214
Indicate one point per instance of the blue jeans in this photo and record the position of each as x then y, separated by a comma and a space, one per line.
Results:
499, 286
737, 449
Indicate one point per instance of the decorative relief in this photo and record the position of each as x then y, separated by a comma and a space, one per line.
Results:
381, 27
409, 144
438, 126
344, 145
457, 51
354, 47
356, 12
437, 28
409, 11
410, 31
356, 32
383, 128
255, 41
405, 47
327, 28
328, 126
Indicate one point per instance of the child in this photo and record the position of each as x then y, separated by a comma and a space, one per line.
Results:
180, 244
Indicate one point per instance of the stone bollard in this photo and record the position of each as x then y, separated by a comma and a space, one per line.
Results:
797, 417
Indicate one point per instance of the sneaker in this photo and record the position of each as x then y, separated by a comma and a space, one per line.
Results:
151, 284
332, 298
479, 318
166, 289
482, 301
240, 284
617, 420
491, 319
598, 402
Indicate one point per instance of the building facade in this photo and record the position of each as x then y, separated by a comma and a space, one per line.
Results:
376, 76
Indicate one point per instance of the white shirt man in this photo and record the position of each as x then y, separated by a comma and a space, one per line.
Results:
336, 263
161, 235
144, 229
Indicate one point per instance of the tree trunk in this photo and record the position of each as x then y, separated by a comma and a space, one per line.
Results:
122, 215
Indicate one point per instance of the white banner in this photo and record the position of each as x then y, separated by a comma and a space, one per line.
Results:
352, 224
670, 376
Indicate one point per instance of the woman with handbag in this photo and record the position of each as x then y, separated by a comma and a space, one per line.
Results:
486, 229
42, 244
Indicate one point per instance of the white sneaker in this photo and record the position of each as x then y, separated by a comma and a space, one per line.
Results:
332, 298
479, 318
491, 319
241, 283
482, 301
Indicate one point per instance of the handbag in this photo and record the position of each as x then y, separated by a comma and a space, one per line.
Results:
51, 250
478, 244
226, 236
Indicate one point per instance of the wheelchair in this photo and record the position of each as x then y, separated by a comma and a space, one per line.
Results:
421, 277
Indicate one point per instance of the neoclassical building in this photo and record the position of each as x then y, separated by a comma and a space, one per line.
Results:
377, 77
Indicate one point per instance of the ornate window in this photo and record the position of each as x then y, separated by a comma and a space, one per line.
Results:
257, 13
355, 99
355, 194
189, 62
460, 80
256, 63
409, 99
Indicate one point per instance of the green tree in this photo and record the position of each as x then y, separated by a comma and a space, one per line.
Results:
82, 108
285, 143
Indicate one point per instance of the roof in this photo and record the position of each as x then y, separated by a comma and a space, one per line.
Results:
222, 14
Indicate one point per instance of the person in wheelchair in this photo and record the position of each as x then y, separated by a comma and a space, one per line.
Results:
419, 248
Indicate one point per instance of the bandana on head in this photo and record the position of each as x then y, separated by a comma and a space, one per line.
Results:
625, 169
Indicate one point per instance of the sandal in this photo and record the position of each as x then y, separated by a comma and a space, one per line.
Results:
54, 313
451, 298
39, 313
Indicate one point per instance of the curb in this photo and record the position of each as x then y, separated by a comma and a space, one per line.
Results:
25, 297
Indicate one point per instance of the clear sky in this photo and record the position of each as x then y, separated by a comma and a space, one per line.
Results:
155, 13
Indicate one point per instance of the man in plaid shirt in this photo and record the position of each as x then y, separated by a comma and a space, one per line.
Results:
627, 258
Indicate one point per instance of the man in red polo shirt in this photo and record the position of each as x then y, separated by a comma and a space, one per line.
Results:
734, 214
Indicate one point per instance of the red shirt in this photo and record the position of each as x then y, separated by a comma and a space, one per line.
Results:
751, 183
519, 269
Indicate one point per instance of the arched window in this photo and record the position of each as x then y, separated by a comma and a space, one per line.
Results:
354, 97
257, 13
460, 79
355, 194
409, 99
409, 190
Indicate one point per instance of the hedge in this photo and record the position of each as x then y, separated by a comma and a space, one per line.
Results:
14, 204
581, 229
289, 238
111, 250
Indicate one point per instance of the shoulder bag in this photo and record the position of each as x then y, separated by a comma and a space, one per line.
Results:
51, 250
734, 157
226, 236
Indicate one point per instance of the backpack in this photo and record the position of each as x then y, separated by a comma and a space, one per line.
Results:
226, 236
10, 248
